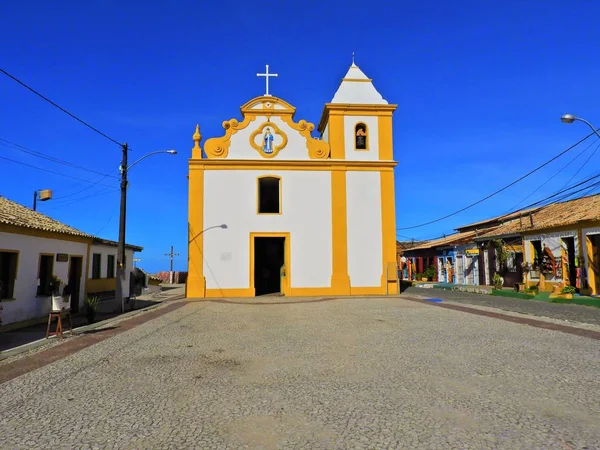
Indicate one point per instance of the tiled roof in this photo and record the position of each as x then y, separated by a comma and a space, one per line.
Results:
12, 213
552, 216
453, 239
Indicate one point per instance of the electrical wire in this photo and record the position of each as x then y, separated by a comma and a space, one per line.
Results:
21, 148
82, 198
558, 172
52, 171
499, 190
60, 107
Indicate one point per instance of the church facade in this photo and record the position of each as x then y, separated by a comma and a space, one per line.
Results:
273, 209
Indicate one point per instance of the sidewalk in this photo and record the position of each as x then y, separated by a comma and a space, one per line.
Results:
560, 311
154, 295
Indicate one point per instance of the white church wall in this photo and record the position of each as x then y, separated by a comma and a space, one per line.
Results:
231, 199
372, 154
365, 253
240, 147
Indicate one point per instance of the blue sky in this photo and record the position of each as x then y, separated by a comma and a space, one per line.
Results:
480, 88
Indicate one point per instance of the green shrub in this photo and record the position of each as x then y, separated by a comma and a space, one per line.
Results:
430, 272
567, 290
498, 281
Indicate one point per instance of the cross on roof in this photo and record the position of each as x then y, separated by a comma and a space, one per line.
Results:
267, 75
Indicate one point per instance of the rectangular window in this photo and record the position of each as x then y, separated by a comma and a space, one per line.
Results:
96, 261
45, 270
110, 266
8, 274
269, 195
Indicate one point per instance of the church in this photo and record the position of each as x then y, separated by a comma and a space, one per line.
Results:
276, 207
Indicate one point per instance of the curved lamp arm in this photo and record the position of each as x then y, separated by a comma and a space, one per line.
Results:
170, 152
569, 118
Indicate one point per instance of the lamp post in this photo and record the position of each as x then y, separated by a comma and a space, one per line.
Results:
570, 118
122, 219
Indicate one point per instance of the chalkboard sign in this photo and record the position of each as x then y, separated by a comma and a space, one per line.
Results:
62, 257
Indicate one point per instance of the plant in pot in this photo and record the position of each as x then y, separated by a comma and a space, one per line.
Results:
90, 307
498, 281
430, 273
568, 291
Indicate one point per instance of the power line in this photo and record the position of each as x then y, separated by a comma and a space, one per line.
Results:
558, 172
37, 154
499, 190
60, 107
52, 171
82, 198
84, 189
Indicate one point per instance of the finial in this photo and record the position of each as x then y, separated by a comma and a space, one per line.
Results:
197, 151
353, 59
197, 137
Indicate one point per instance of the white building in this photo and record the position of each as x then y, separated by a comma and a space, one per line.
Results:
273, 209
33, 248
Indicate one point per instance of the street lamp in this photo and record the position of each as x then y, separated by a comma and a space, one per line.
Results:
570, 118
122, 218
43, 195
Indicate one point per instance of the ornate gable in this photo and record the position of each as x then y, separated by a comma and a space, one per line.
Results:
267, 131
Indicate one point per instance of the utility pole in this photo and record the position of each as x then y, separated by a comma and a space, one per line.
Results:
171, 255
121, 248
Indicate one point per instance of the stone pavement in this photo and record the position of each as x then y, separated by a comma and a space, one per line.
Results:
27, 335
562, 311
345, 373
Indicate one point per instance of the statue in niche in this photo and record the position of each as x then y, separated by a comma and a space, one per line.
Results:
361, 136
268, 142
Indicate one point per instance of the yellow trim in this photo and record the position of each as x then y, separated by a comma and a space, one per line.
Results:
336, 138
258, 195
388, 232
266, 110
232, 292
310, 165
386, 146
94, 285
286, 280
376, 290
331, 110
317, 148
5, 228
366, 149
340, 280
218, 147
196, 283
87, 268
276, 130
18, 253
591, 263
358, 80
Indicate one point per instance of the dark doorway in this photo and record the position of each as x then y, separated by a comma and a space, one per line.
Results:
269, 256
75, 281
571, 274
594, 258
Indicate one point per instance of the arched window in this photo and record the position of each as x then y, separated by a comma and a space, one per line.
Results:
269, 195
361, 137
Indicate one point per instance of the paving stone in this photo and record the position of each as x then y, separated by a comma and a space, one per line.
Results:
351, 373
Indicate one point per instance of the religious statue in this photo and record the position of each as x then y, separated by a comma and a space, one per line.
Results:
268, 142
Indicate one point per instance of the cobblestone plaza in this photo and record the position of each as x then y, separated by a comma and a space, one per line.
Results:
345, 373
